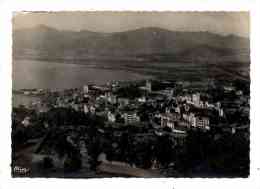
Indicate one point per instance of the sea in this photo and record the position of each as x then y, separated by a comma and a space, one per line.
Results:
30, 74
54, 75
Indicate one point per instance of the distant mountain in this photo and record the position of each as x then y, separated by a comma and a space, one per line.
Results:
144, 44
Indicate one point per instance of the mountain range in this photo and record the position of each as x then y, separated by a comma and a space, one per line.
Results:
144, 44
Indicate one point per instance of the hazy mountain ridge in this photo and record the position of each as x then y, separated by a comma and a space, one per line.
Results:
144, 43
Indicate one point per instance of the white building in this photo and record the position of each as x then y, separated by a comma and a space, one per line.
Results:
167, 110
196, 99
229, 88
85, 108
168, 119
75, 107
178, 110
111, 98
148, 85
92, 109
218, 105
202, 122
111, 117
170, 124
239, 92
142, 99
131, 117
26, 122
89, 109
192, 120
85, 89
221, 112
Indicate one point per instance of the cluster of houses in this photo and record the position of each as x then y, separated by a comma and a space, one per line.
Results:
166, 110
177, 111
181, 113
187, 113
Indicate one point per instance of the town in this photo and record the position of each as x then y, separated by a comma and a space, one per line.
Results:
148, 128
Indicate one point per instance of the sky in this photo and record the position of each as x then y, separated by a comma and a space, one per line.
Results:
225, 23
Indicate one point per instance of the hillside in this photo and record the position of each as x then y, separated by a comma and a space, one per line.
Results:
143, 44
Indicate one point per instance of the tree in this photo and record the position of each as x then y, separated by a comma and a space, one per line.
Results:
47, 163
72, 163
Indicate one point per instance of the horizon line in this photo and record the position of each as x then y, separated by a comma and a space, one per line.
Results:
136, 29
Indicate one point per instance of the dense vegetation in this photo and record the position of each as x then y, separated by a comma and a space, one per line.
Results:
203, 154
